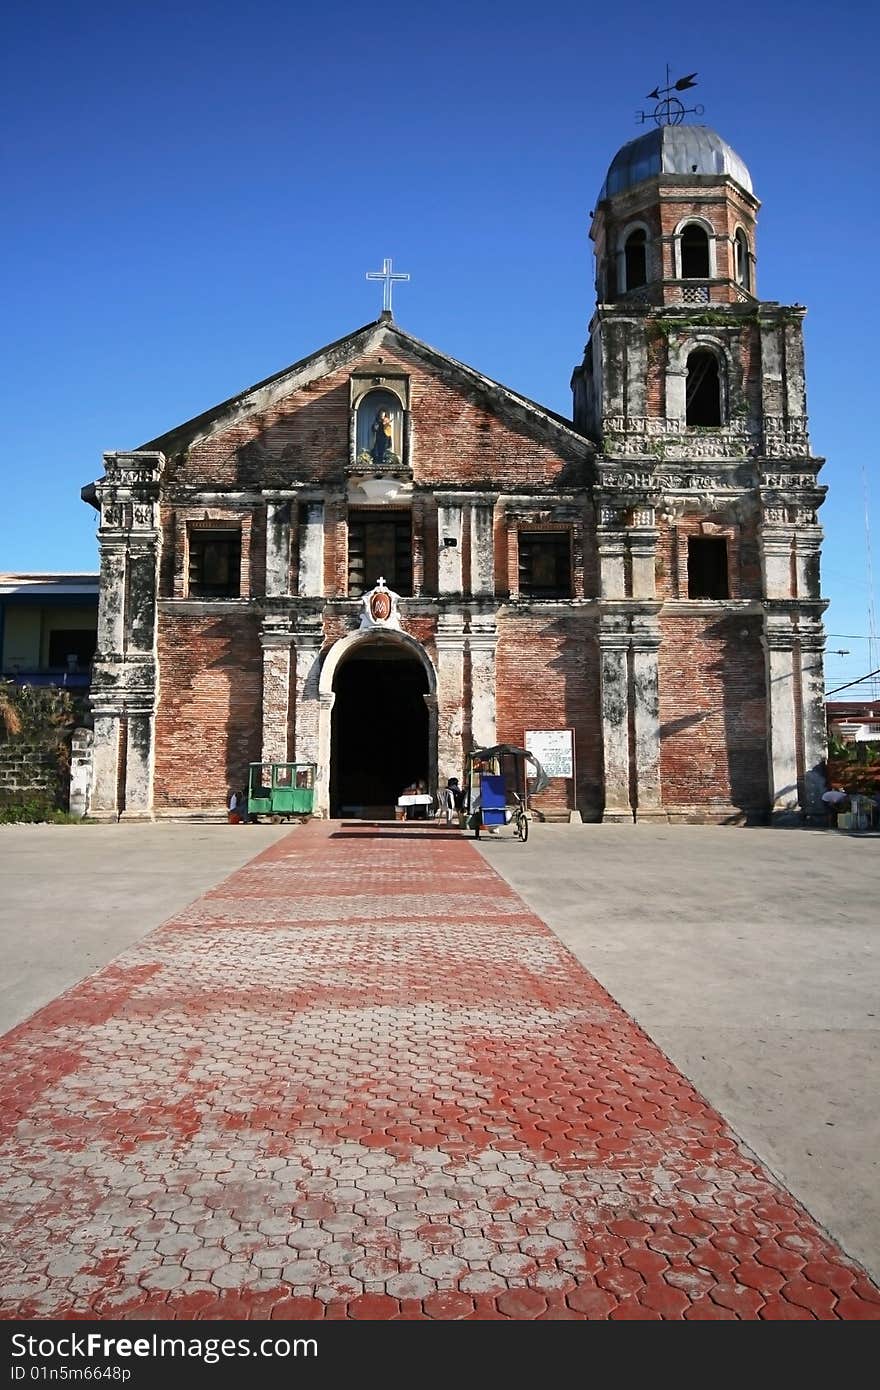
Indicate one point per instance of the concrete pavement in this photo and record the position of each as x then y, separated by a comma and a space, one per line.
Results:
361, 1078
74, 896
752, 957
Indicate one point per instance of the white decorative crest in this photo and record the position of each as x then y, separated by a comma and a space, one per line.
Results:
379, 608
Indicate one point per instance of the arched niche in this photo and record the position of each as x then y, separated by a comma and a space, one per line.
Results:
379, 419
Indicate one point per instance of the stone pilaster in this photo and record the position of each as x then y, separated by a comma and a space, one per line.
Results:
418, 545
482, 548
276, 639
611, 545
776, 555
482, 642
808, 549
646, 716
782, 715
104, 795
80, 772
643, 553
450, 640
125, 673
278, 538
614, 684
312, 729
449, 547
111, 602
815, 733
139, 756
311, 550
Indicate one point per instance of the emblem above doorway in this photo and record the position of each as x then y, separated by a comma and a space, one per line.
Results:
379, 608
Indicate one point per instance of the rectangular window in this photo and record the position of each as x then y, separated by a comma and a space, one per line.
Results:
379, 546
545, 564
214, 562
72, 647
707, 567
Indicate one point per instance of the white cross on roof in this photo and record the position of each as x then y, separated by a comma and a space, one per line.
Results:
387, 275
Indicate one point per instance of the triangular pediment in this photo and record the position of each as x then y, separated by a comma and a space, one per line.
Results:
522, 413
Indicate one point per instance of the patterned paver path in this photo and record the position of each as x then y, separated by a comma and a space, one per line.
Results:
360, 1079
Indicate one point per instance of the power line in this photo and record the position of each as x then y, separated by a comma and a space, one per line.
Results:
856, 682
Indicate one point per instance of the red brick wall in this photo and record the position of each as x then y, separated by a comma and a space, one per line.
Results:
547, 677
457, 439
743, 556
713, 711
209, 723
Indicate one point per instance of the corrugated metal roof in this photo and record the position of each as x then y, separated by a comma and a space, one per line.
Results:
673, 149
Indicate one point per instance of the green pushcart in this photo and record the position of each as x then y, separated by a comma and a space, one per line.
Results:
281, 790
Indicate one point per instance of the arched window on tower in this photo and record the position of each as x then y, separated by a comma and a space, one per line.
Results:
742, 260
694, 252
635, 259
703, 388
610, 285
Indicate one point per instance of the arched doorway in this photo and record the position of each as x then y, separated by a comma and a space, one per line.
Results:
380, 729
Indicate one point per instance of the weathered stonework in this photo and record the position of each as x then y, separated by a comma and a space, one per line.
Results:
683, 705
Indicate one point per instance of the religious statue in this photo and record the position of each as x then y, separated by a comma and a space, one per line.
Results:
381, 437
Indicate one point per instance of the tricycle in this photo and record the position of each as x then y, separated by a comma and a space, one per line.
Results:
497, 787
281, 790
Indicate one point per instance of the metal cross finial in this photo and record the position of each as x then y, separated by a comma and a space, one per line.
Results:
387, 275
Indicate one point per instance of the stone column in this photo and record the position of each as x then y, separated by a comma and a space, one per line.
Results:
276, 640
311, 551
782, 716
646, 716
614, 685
450, 695
482, 643
449, 533
482, 549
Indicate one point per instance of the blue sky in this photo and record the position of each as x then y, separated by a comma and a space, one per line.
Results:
195, 191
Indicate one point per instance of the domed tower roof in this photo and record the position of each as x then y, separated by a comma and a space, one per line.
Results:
673, 149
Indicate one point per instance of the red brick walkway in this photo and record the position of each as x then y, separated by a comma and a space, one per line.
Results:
360, 1079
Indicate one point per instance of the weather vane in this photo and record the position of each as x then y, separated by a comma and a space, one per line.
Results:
669, 110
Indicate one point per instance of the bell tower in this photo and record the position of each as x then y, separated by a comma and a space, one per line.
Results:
705, 491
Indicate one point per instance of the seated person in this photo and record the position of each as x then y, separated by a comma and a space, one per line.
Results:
835, 800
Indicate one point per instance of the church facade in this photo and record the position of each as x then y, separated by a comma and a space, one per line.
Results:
380, 558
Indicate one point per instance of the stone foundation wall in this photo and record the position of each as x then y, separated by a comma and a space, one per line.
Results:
30, 771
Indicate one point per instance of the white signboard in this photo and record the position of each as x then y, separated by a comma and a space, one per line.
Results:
554, 749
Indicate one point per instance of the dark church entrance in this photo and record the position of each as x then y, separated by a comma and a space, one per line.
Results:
379, 741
